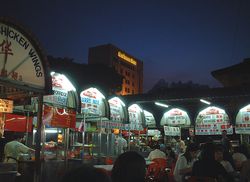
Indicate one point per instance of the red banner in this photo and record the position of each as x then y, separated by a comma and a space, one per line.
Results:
60, 118
18, 123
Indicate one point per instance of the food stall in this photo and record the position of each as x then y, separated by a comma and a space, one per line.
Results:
118, 119
59, 118
94, 112
23, 74
152, 131
242, 124
174, 121
212, 121
136, 126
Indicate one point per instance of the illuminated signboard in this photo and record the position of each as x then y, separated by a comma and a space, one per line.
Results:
172, 131
92, 102
126, 58
243, 121
21, 58
212, 121
6, 106
150, 120
117, 112
60, 86
175, 117
135, 117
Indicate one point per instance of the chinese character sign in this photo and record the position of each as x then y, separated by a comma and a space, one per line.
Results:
92, 102
175, 117
117, 110
243, 121
212, 121
135, 117
21, 58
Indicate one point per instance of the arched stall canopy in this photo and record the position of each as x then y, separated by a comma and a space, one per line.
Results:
118, 114
212, 121
150, 119
94, 104
136, 117
242, 124
175, 117
60, 107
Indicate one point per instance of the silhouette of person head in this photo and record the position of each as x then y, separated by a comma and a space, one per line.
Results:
129, 167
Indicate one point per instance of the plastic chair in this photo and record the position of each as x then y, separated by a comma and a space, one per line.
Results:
156, 170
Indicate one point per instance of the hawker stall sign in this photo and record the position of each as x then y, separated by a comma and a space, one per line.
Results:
117, 110
60, 86
136, 117
212, 121
21, 60
6, 106
242, 125
150, 120
92, 102
154, 133
172, 131
59, 117
175, 117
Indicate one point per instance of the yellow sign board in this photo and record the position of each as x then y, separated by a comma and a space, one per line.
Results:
6, 106
126, 58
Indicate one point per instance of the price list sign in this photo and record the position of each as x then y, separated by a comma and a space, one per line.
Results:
6, 106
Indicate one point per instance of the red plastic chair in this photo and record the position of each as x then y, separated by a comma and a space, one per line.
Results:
156, 170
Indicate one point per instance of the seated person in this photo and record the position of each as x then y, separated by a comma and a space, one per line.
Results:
207, 166
156, 153
185, 162
238, 158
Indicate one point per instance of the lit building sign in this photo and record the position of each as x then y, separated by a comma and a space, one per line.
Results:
126, 58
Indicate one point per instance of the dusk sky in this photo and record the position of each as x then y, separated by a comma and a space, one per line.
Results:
176, 40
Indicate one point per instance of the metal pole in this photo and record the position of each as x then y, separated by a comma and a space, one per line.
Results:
83, 137
38, 140
27, 128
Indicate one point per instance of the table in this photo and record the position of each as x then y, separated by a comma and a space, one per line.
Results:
106, 167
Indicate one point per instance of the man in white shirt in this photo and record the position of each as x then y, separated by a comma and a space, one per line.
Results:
156, 153
120, 144
13, 150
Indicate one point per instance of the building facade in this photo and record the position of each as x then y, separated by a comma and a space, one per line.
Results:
126, 65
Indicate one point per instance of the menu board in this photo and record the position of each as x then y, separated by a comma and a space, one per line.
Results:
6, 106
172, 131
242, 125
60, 86
212, 121
18, 123
175, 117
154, 133
59, 117
117, 111
135, 117
150, 120
92, 102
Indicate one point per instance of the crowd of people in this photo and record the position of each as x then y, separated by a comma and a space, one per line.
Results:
192, 162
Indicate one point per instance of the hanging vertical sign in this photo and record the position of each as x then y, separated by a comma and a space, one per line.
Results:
172, 131
242, 125
212, 121
60, 86
135, 117
117, 110
150, 120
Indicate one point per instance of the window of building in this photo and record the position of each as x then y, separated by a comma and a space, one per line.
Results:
133, 84
133, 92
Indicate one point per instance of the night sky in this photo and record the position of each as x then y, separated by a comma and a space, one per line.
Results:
177, 40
